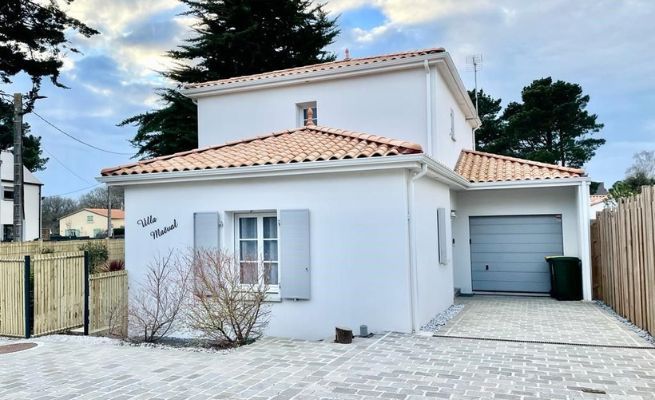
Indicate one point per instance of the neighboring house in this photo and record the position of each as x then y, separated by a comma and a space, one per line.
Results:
91, 222
31, 203
596, 204
366, 202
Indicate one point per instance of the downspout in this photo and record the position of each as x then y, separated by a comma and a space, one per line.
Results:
411, 245
428, 106
585, 256
473, 144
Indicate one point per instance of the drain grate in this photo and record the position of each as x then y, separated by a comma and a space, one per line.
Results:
13, 348
588, 390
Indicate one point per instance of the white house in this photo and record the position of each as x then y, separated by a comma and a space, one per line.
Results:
31, 205
596, 204
356, 182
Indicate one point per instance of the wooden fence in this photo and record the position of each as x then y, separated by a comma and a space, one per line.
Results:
12, 297
624, 257
58, 292
108, 302
115, 247
50, 293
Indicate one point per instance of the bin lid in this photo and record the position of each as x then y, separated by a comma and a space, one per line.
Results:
561, 258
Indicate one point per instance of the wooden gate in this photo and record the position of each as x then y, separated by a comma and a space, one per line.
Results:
12, 297
59, 287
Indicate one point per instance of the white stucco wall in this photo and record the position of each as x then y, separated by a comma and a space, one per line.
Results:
358, 229
388, 104
32, 211
435, 281
447, 150
596, 208
497, 202
391, 104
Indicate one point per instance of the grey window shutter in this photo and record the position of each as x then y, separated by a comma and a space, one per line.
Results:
206, 231
294, 254
441, 232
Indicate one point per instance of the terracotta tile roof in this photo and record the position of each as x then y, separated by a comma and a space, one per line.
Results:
597, 199
305, 144
339, 64
477, 166
115, 213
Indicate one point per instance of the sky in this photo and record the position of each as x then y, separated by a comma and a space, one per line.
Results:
603, 45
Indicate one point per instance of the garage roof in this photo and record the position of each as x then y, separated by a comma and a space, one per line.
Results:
305, 144
477, 166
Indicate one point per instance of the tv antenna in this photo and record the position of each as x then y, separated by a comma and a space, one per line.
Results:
475, 61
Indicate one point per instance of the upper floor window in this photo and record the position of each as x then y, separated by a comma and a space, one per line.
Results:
302, 111
89, 219
452, 124
8, 193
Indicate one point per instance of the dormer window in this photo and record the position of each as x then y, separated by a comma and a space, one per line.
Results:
302, 113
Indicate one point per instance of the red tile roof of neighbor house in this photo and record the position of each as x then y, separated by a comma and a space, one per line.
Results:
308, 69
115, 213
477, 166
305, 144
597, 199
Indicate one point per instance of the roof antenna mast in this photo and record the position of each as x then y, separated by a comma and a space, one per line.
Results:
475, 61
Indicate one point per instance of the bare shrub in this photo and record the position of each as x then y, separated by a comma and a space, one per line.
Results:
117, 321
225, 311
156, 307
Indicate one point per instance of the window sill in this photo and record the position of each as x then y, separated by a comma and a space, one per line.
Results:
273, 297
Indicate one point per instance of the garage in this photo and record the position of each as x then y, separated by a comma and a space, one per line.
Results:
507, 252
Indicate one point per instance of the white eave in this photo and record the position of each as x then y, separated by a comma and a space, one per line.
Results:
413, 161
443, 61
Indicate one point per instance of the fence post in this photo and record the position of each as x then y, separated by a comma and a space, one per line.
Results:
86, 293
27, 298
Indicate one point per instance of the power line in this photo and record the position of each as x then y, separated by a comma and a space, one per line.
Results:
79, 140
64, 165
75, 191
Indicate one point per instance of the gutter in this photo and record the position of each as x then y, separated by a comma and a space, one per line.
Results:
428, 106
411, 245
437, 170
555, 182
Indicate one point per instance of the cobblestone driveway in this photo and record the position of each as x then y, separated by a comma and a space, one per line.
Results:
392, 366
539, 319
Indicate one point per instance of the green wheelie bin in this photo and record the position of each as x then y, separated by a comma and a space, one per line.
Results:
565, 277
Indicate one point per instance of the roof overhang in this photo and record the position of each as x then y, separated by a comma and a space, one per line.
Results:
442, 61
413, 161
533, 183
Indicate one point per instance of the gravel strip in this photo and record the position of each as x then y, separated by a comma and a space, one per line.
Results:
189, 345
642, 333
442, 319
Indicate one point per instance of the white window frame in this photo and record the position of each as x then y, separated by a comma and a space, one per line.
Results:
300, 112
260, 244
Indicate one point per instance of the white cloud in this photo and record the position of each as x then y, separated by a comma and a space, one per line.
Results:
412, 11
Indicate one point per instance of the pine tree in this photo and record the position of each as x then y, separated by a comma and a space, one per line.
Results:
232, 38
551, 124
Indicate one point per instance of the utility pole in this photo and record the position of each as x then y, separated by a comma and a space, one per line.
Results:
18, 167
108, 211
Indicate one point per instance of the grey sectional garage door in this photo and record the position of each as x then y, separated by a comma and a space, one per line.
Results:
507, 253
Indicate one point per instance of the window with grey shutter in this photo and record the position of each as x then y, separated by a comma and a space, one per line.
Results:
441, 232
206, 231
295, 267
